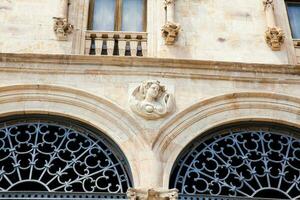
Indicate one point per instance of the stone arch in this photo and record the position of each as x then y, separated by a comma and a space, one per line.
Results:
183, 128
81, 106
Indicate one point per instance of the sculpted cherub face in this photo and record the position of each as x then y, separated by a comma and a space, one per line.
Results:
153, 91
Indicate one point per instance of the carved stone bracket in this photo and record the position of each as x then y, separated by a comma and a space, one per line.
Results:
62, 28
274, 38
152, 194
151, 100
171, 29
170, 32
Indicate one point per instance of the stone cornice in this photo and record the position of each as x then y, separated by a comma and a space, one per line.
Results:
114, 65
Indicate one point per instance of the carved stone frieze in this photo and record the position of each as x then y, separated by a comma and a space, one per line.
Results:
152, 194
151, 100
170, 32
62, 28
274, 38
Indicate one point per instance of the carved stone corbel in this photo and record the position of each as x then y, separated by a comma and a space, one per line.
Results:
274, 36
171, 29
152, 194
170, 32
62, 28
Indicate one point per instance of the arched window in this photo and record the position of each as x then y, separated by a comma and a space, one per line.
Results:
48, 158
118, 15
250, 160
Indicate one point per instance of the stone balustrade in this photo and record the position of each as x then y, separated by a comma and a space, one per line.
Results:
116, 43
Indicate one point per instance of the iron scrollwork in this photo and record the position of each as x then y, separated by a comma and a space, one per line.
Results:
51, 157
241, 162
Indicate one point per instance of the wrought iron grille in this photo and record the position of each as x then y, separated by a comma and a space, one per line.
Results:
56, 159
246, 161
60, 196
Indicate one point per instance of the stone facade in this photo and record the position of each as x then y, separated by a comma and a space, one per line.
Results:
219, 71
208, 38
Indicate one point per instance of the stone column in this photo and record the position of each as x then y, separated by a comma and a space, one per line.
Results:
171, 29
170, 7
61, 26
274, 36
63, 9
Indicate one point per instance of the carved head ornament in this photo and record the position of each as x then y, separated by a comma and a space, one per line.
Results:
274, 38
151, 100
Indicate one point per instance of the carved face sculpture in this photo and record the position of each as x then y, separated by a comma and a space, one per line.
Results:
274, 38
152, 92
151, 100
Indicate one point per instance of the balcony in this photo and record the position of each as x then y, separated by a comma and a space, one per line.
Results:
116, 43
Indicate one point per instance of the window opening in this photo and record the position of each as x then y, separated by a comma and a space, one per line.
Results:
118, 15
293, 8
53, 157
255, 161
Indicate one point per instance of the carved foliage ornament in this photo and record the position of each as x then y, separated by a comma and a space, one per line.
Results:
151, 101
170, 32
62, 28
274, 38
152, 194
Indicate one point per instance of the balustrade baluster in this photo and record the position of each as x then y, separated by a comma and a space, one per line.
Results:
104, 48
139, 50
116, 43
93, 45
127, 49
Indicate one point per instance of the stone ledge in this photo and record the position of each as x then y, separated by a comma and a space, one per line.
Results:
151, 62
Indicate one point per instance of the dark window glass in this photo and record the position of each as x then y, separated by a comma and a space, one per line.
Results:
117, 15
294, 17
132, 18
104, 15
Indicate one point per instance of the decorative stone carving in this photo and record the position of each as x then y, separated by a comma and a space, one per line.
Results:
170, 32
171, 29
62, 28
268, 3
171, 194
152, 194
151, 101
166, 2
274, 38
